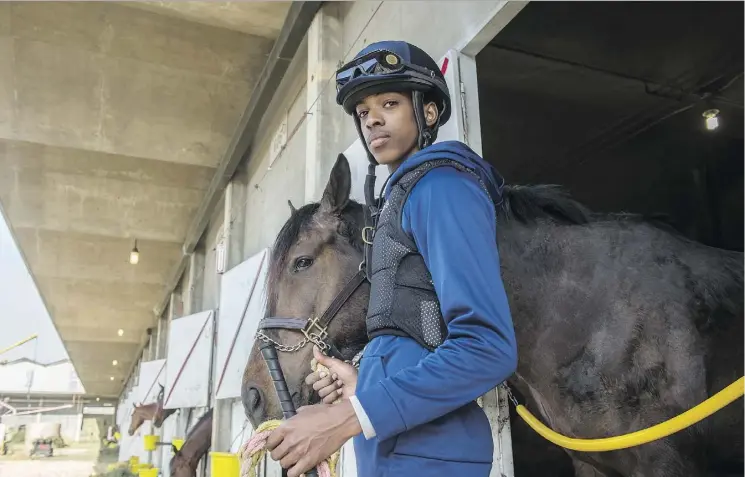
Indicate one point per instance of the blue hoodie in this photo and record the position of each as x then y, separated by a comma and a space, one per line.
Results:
422, 405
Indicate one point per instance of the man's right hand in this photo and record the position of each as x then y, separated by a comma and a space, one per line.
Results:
339, 382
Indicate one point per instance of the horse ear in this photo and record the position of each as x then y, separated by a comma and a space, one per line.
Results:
336, 195
292, 207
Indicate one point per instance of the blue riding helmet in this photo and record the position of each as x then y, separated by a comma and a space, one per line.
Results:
394, 66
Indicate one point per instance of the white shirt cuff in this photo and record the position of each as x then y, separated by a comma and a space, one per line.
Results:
367, 428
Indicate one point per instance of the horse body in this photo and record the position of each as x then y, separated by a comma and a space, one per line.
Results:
620, 324
197, 443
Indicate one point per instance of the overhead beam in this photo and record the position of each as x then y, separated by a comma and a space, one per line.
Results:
298, 20
651, 87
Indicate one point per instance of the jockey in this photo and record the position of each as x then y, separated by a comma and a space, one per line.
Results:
438, 319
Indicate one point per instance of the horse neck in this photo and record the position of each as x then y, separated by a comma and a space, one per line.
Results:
533, 258
198, 442
148, 410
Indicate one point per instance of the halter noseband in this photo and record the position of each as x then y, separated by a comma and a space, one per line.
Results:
314, 328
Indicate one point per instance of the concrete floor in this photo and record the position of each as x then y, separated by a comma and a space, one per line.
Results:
46, 468
78, 460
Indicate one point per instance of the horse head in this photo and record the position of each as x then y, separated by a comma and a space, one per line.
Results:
138, 418
316, 253
161, 414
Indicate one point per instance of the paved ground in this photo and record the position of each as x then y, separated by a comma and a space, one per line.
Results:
78, 460
46, 468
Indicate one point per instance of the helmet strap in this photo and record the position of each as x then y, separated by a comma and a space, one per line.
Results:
427, 134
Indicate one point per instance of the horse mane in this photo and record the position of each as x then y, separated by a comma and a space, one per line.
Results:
531, 203
299, 222
528, 204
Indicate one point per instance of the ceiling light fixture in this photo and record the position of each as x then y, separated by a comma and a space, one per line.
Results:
712, 119
134, 255
120, 332
111, 378
114, 363
98, 399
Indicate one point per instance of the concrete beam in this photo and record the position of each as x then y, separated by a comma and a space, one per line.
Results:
296, 25
324, 123
298, 20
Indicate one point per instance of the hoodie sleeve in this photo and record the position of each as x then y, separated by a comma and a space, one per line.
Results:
453, 223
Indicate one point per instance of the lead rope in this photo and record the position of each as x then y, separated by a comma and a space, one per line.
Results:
254, 450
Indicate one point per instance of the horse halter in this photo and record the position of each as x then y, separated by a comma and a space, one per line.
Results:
314, 329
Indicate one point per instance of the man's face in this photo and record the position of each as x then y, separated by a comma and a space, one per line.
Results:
388, 126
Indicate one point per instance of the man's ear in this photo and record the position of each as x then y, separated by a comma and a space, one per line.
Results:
431, 113
336, 195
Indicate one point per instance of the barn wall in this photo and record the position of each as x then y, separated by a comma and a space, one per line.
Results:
273, 179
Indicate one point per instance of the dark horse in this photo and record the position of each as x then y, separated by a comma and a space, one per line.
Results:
620, 323
197, 443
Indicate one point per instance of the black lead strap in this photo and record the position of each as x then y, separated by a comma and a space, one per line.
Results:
371, 212
280, 385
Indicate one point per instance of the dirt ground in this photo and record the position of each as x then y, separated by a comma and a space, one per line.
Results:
74, 461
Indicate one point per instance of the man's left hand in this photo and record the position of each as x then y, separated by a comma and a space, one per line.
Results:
316, 432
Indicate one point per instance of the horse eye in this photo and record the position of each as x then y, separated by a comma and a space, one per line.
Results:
302, 263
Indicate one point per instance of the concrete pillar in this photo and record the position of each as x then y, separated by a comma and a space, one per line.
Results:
233, 233
192, 293
324, 122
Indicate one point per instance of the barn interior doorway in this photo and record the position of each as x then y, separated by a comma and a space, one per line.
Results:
608, 100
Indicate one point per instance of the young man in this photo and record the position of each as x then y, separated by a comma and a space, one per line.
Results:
440, 327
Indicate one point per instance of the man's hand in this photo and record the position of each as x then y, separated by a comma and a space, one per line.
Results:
341, 383
316, 432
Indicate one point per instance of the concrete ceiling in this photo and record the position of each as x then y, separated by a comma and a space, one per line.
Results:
112, 121
255, 18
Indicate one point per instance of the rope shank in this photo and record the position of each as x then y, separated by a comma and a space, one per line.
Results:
254, 451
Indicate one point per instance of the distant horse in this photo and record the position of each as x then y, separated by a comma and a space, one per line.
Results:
620, 323
197, 443
149, 412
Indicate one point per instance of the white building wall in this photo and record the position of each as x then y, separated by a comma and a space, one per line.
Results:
25, 376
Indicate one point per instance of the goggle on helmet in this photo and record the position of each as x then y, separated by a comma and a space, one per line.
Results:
391, 66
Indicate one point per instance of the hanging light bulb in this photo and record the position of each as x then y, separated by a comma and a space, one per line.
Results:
120, 332
712, 119
134, 255
111, 378
114, 363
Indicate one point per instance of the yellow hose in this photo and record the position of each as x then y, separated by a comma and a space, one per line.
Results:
664, 429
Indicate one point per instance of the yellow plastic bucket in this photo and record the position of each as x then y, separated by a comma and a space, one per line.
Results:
225, 464
134, 460
177, 443
148, 472
151, 442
